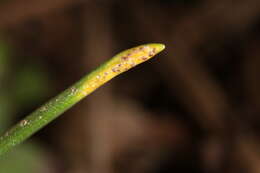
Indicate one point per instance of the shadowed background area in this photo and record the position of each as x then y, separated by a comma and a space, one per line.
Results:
194, 108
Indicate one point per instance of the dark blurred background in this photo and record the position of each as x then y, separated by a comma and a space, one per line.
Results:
194, 108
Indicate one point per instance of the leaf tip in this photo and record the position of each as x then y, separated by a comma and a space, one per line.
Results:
158, 47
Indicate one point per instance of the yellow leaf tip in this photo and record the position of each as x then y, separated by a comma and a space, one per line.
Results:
158, 46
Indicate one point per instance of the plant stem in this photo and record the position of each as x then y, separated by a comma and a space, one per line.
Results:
65, 100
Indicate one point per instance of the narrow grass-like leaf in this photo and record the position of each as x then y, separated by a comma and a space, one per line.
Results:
59, 104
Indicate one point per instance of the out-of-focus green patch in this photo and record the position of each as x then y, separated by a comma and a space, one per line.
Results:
31, 84
26, 158
6, 111
28, 85
5, 105
4, 59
